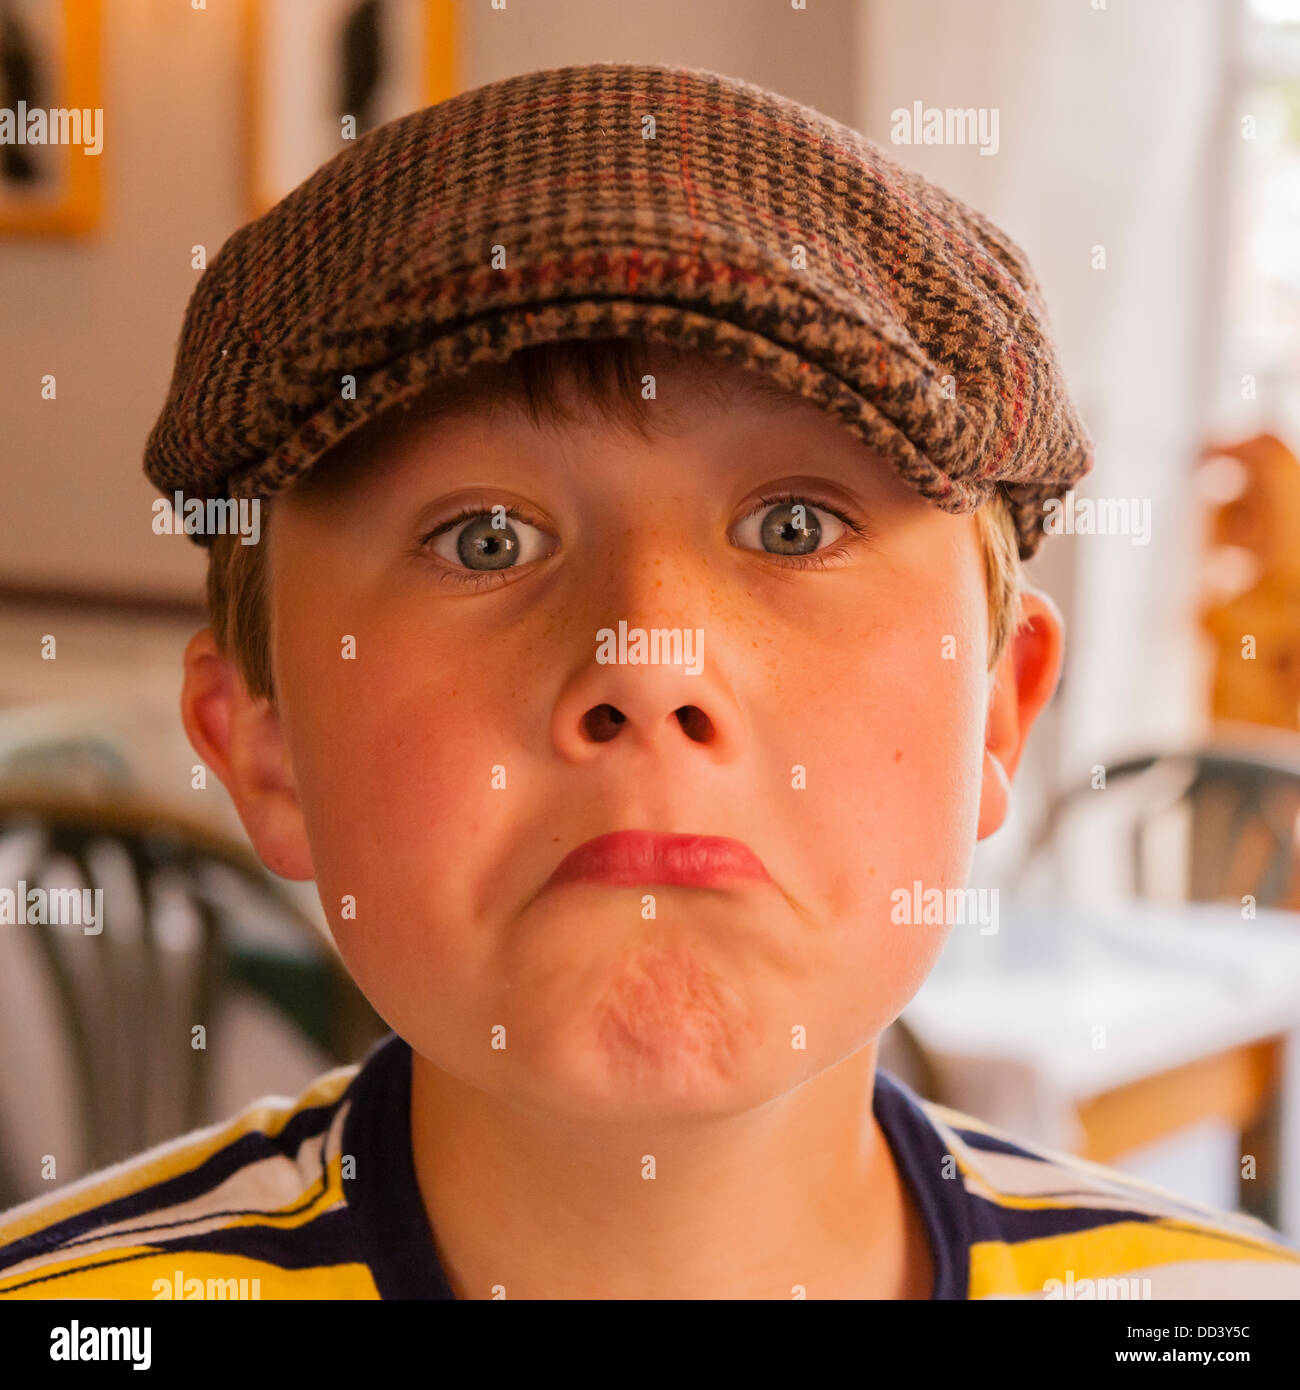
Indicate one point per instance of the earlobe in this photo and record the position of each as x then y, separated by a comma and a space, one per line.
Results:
995, 796
240, 738
1025, 680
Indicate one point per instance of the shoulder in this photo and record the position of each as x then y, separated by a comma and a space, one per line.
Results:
250, 1196
1045, 1224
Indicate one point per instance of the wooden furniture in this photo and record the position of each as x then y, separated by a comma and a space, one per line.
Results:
1256, 632
1099, 1031
1240, 1087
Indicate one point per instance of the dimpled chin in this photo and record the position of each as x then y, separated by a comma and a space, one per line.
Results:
666, 1030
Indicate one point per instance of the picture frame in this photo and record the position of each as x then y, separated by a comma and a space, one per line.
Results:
310, 62
51, 117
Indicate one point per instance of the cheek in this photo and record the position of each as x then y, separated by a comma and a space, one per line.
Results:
894, 774
393, 755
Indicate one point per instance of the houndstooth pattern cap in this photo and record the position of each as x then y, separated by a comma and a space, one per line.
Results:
676, 205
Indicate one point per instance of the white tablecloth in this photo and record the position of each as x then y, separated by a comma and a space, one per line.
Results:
1058, 1005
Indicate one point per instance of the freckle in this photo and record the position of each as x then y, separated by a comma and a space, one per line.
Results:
898, 755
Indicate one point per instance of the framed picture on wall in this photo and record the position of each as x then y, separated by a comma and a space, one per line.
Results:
322, 72
51, 117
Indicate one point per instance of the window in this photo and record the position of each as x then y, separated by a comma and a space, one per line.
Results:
1258, 368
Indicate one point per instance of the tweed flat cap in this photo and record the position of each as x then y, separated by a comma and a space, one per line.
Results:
675, 205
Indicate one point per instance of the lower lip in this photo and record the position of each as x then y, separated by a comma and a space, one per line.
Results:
632, 857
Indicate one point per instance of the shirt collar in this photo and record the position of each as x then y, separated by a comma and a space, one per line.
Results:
392, 1225
398, 1242
920, 1155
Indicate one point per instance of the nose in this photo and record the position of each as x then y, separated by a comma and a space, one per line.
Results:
660, 708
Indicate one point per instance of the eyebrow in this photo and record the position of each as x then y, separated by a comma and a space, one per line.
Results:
766, 392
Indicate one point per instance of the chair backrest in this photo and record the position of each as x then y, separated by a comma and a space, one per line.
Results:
74, 746
142, 919
1234, 809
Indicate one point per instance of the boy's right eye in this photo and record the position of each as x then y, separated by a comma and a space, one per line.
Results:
486, 539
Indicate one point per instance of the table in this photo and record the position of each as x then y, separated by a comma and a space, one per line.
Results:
1095, 1031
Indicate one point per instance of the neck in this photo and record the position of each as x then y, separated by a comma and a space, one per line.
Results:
799, 1197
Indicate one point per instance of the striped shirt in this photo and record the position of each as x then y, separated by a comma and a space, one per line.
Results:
317, 1198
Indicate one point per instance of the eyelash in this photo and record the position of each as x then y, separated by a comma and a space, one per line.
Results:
473, 579
820, 559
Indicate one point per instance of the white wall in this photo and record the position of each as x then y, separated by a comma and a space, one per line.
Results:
1110, 134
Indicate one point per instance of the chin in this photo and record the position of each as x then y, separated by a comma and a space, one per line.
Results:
660, 1034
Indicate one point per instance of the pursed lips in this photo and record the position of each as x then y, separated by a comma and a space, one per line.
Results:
627, 858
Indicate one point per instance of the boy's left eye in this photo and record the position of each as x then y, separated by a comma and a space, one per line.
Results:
790, 527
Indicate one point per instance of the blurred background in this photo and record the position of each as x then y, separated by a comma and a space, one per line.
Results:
1135, 996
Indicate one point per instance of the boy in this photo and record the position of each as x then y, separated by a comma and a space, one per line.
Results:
637, 608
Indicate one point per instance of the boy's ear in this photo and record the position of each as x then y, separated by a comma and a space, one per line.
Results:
1025, 679
239, 737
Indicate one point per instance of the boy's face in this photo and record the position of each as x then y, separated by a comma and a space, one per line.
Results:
440, 777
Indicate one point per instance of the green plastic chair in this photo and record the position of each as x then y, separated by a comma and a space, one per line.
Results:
103, 984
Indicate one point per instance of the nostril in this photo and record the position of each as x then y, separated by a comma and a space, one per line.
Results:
602, 722
696, 725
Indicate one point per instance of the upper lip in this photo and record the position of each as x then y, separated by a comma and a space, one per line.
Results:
630, 857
